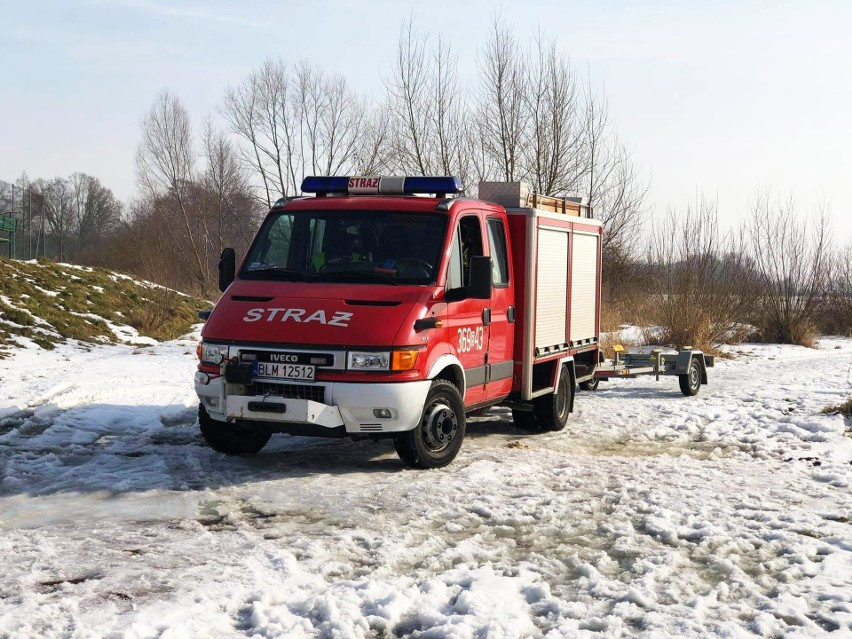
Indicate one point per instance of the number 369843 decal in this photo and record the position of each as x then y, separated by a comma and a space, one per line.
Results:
471, 339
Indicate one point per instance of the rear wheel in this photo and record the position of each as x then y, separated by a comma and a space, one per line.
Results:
525, 419
590, 385
231, 439
690, 383
436, 440
552, 410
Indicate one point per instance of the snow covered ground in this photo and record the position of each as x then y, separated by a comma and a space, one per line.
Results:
654, 515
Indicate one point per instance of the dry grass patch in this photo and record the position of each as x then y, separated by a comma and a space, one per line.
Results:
844, 409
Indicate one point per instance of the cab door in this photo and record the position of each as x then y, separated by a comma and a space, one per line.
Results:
499, 364
467, 332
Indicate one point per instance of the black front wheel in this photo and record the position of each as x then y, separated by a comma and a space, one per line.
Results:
437, 438
231, 439
690, 383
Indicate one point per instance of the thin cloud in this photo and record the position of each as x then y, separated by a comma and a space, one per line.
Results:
190, 12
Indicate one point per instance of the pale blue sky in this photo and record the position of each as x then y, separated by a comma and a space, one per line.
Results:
715, 97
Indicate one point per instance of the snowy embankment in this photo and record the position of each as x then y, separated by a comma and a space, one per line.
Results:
45, 303
652, 514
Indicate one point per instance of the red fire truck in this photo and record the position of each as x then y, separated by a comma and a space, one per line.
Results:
390, 307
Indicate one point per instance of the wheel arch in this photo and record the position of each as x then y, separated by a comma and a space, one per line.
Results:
567, 362
684, 361
449, 367
703, 366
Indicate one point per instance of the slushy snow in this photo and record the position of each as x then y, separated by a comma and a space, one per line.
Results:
651, 515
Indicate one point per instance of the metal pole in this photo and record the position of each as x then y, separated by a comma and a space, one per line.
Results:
12, 252
41, 234
30, 223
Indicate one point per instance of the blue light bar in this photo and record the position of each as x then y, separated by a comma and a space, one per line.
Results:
375, 185
446, 184
325, 184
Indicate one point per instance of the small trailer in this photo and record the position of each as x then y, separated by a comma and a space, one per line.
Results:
688, 364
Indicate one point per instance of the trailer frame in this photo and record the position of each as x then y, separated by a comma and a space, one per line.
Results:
688, 364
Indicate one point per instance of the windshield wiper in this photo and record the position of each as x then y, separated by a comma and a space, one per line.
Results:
277, 271
330, 276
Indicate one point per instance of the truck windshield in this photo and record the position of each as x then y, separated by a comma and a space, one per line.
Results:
348, 246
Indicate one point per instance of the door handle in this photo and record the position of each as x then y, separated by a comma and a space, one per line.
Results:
510, 314
486, 316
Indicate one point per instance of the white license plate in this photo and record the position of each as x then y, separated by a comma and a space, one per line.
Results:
300, 372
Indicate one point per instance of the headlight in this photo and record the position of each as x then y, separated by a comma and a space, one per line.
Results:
213, 353
399, 360
368, 361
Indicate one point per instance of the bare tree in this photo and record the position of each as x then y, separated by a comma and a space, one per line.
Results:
450, 118
791, 252
167, 175
502, 116
294, 121
409, 104
330, 119
701, 293
553, 151
196, 199
97, 214
427, 108
372, 151
261, 113
835, 307
226, 182
615, 190
57, 212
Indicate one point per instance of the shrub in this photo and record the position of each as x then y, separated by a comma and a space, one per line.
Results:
791, 258
701, 292
834, 308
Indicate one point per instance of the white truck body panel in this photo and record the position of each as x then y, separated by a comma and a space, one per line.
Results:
551, 291
584, 287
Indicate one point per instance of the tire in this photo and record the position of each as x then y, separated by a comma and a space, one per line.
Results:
525, 419
552, 410
437, 438
231, 439
690, 383
590, 385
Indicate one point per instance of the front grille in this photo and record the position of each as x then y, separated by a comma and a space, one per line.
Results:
288, 391
323, 360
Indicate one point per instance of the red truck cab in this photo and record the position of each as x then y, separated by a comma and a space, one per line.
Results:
372, 311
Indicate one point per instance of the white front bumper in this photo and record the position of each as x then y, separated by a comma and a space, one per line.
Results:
344, 404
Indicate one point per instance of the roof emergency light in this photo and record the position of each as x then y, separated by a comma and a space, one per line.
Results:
375, 185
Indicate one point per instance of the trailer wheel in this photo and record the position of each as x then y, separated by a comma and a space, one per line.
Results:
552, 410
525, 419
231, 439
436, 440
590, 385
690, 383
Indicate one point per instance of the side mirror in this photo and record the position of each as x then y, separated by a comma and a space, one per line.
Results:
227, 268
480, 285
480, 278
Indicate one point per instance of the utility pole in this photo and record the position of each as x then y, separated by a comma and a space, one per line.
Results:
30, 222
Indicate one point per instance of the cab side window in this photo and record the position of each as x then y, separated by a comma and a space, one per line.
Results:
467, 243
499, 254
